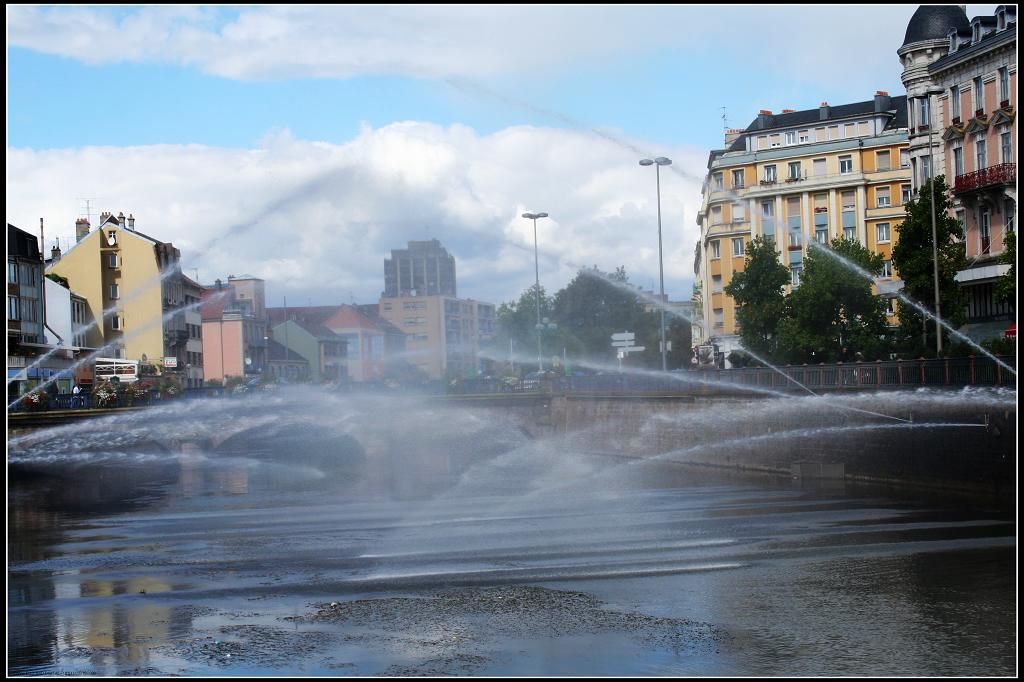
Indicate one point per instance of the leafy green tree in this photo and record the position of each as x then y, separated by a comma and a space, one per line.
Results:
595, 305
758, 293
913, 262
1006, 285
516, 325
833, 315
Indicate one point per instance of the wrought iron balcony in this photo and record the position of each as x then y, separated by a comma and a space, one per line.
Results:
1004, 173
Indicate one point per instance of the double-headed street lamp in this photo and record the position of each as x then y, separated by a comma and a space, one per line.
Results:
658, 163
536, 272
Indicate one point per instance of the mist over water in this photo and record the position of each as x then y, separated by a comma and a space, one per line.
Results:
162, 540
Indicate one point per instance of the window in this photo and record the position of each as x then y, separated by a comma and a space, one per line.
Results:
768, 218
794, 170
1010, 205
849, 216
863, 129
890, 307
958, 161
905, 192
737, 246
821, 218
791, 137
923, 119
882, 232
769, 173
904, 158
12, 272
793, 213
1006, 147
926, 169
13, 308
819, 168
794, 272
849, 131
114, 291
986, 231
979, 95
1004, 84
112, 260
954, 99
716, 284
845, 164
719, 317
882, 196
739, 213
804, 136
387, 306
719, 182
115, 322
833, 132
716, 249
982, 154
737, 179
887, 269
776, 140
882, 162
794, 238
762, 142
819, 135
716, 215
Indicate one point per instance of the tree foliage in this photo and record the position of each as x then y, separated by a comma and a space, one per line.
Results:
833, 315
759, 297
913, 261
1006, 285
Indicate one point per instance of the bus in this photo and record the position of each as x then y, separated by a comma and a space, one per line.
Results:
126, 371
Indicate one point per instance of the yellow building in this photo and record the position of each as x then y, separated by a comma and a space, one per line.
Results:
819, 174
442, 333
132, 285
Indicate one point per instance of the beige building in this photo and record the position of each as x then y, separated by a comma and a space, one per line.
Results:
835, 171
961, 81
443, 334
133, 286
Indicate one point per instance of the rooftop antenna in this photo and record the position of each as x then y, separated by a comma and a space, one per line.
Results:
725, 120
88, 206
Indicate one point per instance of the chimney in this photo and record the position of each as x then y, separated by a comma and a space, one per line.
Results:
882, 101
220, 285
823, 111
731, 134
55, 253
81, 229
104, 216
762, 118
131, 222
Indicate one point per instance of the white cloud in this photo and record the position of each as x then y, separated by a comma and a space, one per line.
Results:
808, 44
317, 220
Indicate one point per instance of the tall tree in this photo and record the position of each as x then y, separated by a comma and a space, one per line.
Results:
595, 305
833, 315
516, 325
913, 262
1006, 285
758, 293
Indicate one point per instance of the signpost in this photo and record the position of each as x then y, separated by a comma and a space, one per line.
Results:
623, 344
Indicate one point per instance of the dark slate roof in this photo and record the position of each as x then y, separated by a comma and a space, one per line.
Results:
932, 22
276, 353
990, 41
811, 117
21, 243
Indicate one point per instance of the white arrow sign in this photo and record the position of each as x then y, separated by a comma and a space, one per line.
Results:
622, 344
624, 336
633, 349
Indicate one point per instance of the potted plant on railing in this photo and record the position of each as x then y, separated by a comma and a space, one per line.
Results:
235, 385
104, 394
36, 401
170, 387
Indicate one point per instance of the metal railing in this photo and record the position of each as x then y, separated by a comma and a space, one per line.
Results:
939, 372
979, 179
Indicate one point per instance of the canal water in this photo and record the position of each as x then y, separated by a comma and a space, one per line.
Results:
532, 564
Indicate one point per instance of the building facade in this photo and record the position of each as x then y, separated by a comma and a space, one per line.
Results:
133, 287
961, 80
443, 334
819, 174
421, 269
235, 336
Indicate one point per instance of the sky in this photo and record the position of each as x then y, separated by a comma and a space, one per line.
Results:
300, 144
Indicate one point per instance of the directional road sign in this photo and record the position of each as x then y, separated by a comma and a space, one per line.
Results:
633, 349
624, 336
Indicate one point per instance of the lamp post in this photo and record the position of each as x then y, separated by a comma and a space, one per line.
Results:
658, 163
536, 272
935, 242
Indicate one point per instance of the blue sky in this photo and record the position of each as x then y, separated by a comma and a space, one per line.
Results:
428, 97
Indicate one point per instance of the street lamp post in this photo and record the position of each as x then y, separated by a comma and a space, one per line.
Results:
935, 242
658, 163
536, 272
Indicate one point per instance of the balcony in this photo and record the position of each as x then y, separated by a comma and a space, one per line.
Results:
1004, 173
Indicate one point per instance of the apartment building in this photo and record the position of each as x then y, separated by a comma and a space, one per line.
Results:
133, 286
443, 334
817, 174
423, 268
235, 336
961, 81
